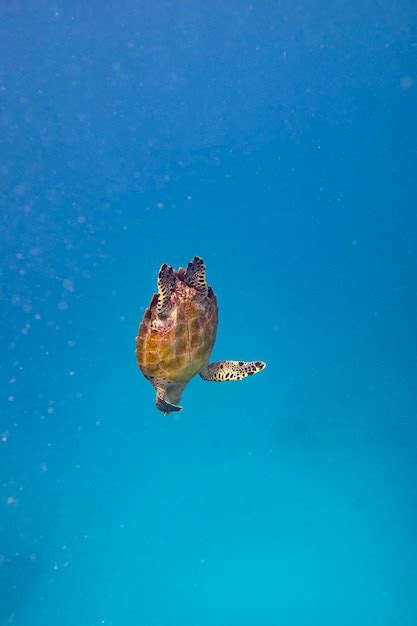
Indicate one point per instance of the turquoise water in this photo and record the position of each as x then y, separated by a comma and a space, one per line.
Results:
277, 141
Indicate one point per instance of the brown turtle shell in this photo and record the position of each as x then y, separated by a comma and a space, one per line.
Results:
174, 346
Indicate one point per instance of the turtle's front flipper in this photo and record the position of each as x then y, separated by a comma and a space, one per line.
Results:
223, 371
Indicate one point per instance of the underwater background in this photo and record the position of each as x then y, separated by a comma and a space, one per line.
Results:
277, 140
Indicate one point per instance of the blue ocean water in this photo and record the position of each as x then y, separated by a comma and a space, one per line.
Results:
278, 141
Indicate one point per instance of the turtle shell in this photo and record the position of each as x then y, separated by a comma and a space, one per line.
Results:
175, 346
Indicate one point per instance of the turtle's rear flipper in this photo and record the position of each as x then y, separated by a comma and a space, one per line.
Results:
166, 285
223, 371
195, 275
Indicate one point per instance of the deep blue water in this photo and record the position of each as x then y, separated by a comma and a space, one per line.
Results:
277, 140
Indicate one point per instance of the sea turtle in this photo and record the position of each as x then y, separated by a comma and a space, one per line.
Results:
177, 334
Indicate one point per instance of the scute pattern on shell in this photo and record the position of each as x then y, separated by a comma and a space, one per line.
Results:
175, 347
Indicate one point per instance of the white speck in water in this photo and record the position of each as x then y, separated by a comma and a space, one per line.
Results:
68, 284
406, 82
20, 190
